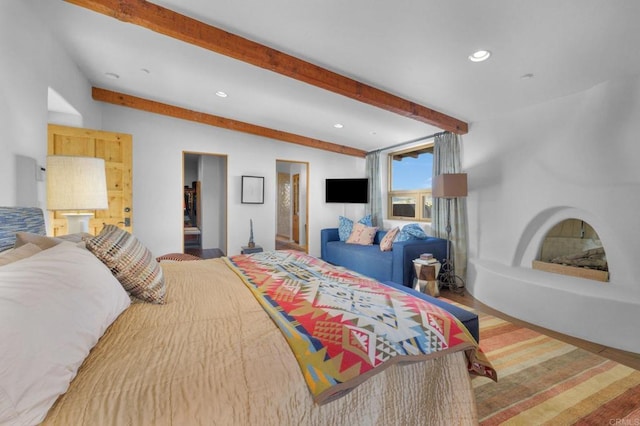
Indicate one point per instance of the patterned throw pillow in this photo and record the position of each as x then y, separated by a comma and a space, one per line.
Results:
412, 231
345, 226
130, 262
387, 242
362, 235
415, 230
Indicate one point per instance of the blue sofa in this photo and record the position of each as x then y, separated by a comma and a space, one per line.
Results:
395, 265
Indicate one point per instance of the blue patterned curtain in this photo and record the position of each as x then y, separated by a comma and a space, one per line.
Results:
447, 158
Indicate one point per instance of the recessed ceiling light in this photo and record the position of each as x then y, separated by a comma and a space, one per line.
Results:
112, 75
221, 94
338, 126
479, 56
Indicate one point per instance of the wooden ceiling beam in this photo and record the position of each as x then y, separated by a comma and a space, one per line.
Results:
189, 30
116, 98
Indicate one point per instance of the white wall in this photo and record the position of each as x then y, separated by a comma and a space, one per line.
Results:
302, 170
213, 186
31, 62
573, 157
158, 143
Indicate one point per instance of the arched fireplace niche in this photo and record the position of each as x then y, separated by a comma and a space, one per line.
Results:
572, 247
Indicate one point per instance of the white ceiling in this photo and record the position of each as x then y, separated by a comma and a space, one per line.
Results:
416, 49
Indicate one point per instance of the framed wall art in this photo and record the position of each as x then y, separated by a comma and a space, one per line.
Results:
252, 190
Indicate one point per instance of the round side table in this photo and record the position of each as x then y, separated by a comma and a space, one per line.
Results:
426, 277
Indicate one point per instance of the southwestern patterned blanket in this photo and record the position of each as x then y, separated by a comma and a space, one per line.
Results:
344, 327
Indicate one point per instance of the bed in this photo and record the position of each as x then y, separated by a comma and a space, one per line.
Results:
209, 353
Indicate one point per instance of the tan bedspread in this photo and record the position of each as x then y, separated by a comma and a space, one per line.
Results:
211, 355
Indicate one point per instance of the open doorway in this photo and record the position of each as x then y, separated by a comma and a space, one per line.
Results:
205, 204
292, 205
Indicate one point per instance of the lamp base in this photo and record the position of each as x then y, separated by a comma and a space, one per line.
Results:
77, 222
448, 275
449, 279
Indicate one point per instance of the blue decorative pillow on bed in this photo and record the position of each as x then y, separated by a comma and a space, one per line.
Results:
345, 226
412, 231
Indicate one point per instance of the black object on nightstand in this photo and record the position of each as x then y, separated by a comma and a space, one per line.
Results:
249, 250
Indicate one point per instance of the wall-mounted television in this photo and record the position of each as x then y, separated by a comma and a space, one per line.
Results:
347, 190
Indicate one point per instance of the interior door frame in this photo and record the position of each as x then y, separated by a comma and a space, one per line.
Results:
306, 201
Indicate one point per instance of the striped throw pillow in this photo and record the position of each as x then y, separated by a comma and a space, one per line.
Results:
130, 262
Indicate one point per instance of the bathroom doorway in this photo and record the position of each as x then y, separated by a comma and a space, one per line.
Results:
292, 205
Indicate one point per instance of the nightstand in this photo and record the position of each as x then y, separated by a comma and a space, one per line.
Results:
249, 250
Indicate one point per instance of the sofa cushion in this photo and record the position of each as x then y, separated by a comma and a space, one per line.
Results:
367, 260
467, 318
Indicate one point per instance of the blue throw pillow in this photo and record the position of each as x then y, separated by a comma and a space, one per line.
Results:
345, 226
415, 230
412, 231
366, 221
403, 236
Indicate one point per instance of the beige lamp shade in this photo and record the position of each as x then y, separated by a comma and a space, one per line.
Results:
76, 183
452, 185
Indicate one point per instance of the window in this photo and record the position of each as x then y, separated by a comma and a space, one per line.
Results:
410, 174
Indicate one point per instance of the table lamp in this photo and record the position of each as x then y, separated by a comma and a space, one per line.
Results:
75, 184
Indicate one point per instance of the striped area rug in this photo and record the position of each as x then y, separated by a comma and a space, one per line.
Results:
542, 380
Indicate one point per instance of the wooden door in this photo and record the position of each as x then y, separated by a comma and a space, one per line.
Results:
295, 220
284, 206
116, 150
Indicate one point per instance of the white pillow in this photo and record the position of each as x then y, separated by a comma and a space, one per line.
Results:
54, 306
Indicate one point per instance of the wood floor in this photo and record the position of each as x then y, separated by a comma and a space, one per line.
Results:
626, 358
285, 244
